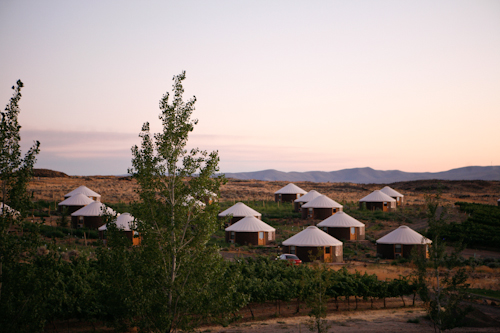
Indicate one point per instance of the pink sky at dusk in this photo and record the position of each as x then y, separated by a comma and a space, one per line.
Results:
284, 85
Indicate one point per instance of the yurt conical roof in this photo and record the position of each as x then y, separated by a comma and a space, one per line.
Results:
240, 209
313, 194
312, 237
83, 189
322, 202
123, 222
404, 235
78, 199
250, 224
391, 192
377, 196
291, 188
8, 209
94, 209
191, 201
340, 220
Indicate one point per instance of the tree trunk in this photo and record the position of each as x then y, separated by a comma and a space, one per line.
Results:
249, 308
1, 278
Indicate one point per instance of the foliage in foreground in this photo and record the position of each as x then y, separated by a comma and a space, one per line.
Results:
111, 289
15, 173
442, 288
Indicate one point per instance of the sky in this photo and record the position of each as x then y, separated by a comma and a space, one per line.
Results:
286, 85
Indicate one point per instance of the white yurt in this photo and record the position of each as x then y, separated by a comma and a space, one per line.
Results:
85, 190
250, 230
238, 211
288, 193
400, 243
297, 203
394, 194
378, 200
320, 208
90, 216
75, 202
8, 210
314, 242
343, 226
126, 223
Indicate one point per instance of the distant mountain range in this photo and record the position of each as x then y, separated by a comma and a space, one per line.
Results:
371, 176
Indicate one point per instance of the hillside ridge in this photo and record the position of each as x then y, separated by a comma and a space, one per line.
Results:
368, 175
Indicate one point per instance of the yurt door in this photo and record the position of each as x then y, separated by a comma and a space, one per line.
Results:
353, 233
261, 238
328, 254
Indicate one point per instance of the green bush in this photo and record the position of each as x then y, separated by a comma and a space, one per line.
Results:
54, 234
481, 229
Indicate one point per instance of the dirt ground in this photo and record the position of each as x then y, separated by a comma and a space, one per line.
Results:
382, 320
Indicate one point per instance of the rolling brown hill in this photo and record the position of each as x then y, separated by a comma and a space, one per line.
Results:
122, 189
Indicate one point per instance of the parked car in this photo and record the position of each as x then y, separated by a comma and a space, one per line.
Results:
292, 258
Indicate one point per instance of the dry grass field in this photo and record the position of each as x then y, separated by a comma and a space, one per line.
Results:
122, 189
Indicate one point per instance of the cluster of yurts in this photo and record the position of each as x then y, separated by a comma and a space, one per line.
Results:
322, 241
87, 210
246, 227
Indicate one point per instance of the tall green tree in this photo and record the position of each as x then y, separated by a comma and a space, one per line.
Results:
18, 239
175, 225
15, 171
15, 174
